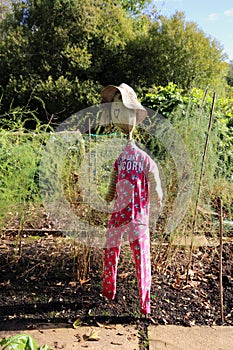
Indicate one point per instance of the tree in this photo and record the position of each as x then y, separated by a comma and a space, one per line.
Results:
173, 50
229, 76
135, 6
56, 51
5, 7
56, 55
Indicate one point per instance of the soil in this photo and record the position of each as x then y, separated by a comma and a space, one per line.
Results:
49, 279
52, 279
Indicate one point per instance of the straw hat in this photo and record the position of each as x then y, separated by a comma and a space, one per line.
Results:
129, 99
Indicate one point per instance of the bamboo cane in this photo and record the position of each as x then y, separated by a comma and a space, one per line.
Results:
220, 259
200, 183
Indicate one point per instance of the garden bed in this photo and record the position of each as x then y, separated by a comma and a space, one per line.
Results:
54, 279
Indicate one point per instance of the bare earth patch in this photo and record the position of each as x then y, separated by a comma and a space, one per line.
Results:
54, 282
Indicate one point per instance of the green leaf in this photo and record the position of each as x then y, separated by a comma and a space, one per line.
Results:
19, 342
45, 347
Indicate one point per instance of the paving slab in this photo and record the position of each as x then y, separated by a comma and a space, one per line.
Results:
104, 337
190, 338
125, 337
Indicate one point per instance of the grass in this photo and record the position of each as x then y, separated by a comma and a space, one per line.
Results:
19, 157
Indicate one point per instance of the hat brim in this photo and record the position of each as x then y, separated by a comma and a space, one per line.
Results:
108, 93
129, 99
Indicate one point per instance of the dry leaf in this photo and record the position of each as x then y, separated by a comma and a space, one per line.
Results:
186, 286
124, 275
176, 284
194, 284
110, 327
77, 323
72, 284
94, 336
83, 281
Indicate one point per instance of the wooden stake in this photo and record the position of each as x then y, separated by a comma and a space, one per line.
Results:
220, 259
204, 98
200, 183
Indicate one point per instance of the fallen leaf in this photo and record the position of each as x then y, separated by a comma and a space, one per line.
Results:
194, 284
177, 284
77, 323
124, 275
83, 281
186, 286
72, 284
94, 336
110, 327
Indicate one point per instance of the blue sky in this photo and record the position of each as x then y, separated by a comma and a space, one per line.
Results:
214, 17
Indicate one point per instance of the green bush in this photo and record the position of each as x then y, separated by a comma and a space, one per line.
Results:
182, 110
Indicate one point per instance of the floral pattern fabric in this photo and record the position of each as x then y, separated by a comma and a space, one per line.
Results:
130, 216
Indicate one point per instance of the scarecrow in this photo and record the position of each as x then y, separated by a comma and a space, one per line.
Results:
133, 184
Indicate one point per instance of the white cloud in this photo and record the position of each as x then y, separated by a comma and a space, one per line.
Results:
229, 12
213, 16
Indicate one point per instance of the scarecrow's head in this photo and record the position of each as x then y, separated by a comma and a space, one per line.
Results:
125, 111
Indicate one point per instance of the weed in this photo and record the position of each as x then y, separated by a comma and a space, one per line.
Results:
106, 313
153, 297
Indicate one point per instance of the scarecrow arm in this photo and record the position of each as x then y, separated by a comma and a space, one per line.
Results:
155, 188
112, 187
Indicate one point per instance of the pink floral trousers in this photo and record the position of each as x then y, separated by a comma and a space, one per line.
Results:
139, 239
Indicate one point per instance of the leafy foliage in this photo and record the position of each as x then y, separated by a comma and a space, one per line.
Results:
135, 6
21, 342
163, 99
173, 50
57, 55
58, 46
230, 74
181, 108
20, 154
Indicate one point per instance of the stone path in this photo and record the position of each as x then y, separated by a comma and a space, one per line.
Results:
109, 337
